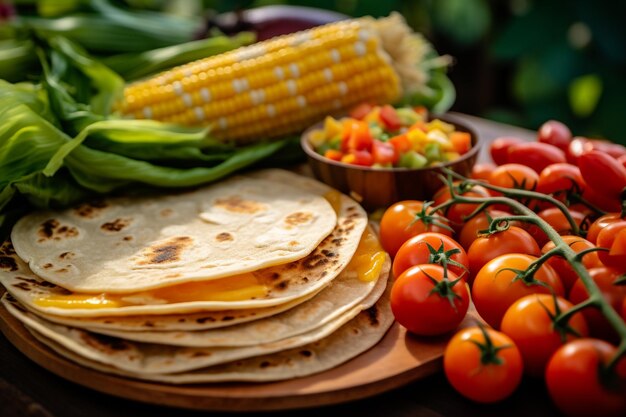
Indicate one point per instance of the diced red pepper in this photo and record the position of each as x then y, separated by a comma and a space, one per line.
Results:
401, 143
333, 154
384, 153
360, 111
421, 110
363, 158
356, 136
390, 118
461, 141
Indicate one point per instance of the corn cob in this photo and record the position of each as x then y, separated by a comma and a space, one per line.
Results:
285, 84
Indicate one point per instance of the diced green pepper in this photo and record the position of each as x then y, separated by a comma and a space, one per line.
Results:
432, 151
412, 159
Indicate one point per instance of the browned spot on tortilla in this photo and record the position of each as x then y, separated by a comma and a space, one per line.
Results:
200, 354
275, 276
223, 237
51, 229
236, 204
90, 210
265, 364
351, 208
7, 263
293, 243
64, 255
372, 315
175, 275
115, 225
7, 248
337, 241
148, 323
282, 285
306, 353
166, 212
128, 238
228, 318
203, 320
22, 286
182, 320
44, 284
168, 251
314, 260
298, 218
355, 331
328, 253
61, 270
106, 344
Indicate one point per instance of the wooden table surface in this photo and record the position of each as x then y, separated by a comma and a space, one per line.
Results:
29, 390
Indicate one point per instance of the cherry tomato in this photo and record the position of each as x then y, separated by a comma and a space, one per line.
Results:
577, 147
418, 306
563, 268
555, 133
484, 378
470, 230
530, 323
561, 177
360, 111
616, 150
482, 171
622, 160
602, 222
614, 294
457, 212
624, 309
495, 286
499, 149
557, 220
512, 240
419, 249
613, 237
602, 173
514, 176
400, 222
602, 201
574, 380
535, 155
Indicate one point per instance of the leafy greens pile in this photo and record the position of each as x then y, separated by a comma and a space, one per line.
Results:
60, 145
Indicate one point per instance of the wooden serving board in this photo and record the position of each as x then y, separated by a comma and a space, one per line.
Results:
399, 358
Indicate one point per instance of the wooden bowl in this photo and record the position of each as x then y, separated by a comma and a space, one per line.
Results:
378, 188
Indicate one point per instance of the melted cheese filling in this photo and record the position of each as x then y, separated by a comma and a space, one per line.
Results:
367, 263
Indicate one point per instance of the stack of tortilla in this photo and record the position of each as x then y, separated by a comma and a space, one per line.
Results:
264, 276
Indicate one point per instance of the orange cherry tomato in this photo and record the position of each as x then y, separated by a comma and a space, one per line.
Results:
614, 294
512, 240
479, 377
495, 286
482, 171
430, 248
613, 237
400, 222
417, 305
529, 322
575, 383
514, 176
563, 268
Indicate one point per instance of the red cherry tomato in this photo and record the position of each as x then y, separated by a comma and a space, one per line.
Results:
419, 250
360, 111
613, 237
512, 240
482, 171
555, 133
603, 173
417, 306
484, 378
602, 222
456, 213
577, 147
470, 230
514, 176
622, 160
613, 294
601, 200
575, 384
384, 153
558, 178
400, 222
495, 287
529, 322
563, 268
557, 220
614, 149
535, 155
499, 149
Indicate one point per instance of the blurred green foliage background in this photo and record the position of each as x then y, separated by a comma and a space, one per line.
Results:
519, 61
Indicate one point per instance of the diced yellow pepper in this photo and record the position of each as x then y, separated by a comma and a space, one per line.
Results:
318, 137
349, 159
451, 156
439, 137
332, 127
439, 125
373, 115
417, 138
